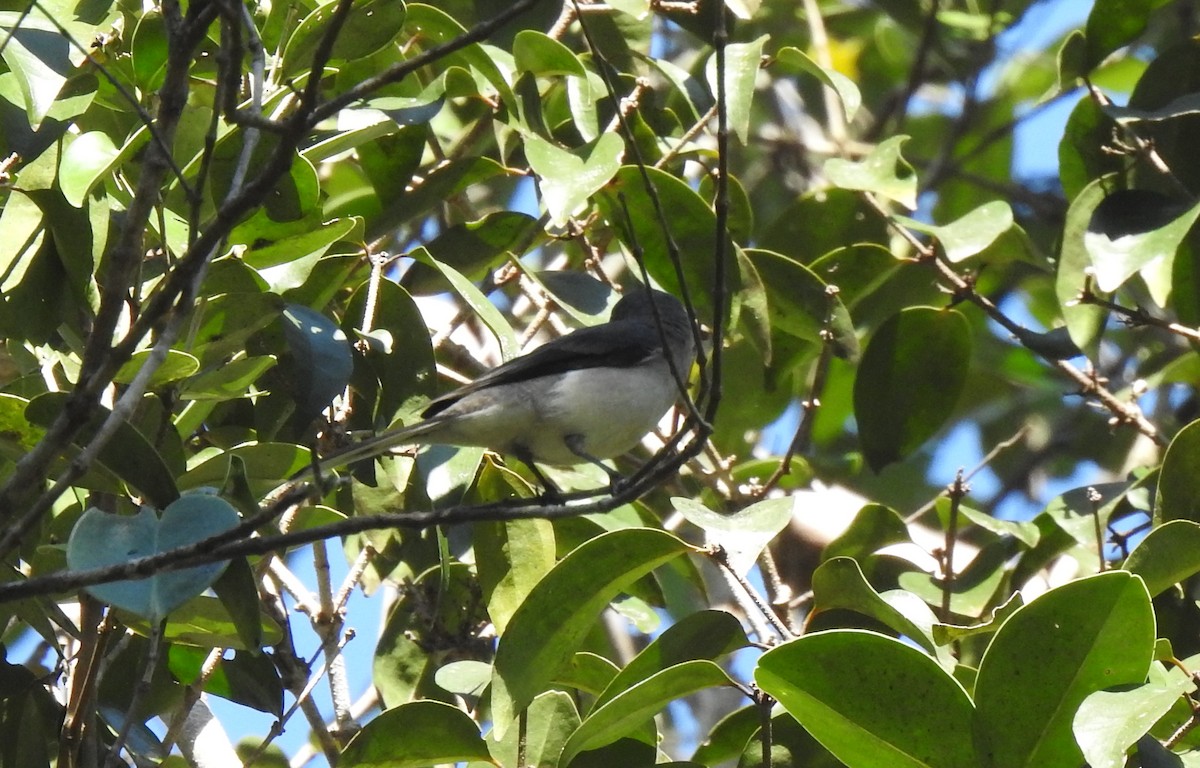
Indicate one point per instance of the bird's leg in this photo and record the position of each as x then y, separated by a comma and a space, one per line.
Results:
550, 492
575, 445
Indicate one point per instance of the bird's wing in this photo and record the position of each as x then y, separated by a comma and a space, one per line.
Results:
617, 344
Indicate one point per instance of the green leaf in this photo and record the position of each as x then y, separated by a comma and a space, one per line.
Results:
177, 366
871, 700
909, 380
970, 234
743, 534
231, 381
465, 678
569, 178
415, 735
742, 62
322, 357
839, 583
100, 540
1178, 493
1108, 723
630, 210
475, 247
883, 172
637, 705
1084, 321
512, 556
1114, 23
491, 317
266, 465
370, 25
128, 454
845, 88
85, 162
551, 720
1168, 555
546, 629
729, 737
873, 528
36, 57
702, 635
543, 55
1052, 654
802, 305
1132, 229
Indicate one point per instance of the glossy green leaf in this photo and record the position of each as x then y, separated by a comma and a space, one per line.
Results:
475, 247
237, 589
569, 178
909, 380
465, 678
265, 464
845, 88
1052, 654
1132, 229
177, 365
491, 317
551, 720
587, 672
1025, 532
871, 700
99, 540
415, 735
228, 382
546, 629
1108, 723
839, 583
322, 357
970, 234
1168, 555
802, 305
636, 705
743, 534
370, 25
630, 210
883, 172
944, 634
34, 53
702, 635
288, 262
1114, 23
1084, 322
543, 55
729, 736
742, 62
512, 556
84, 164
1178, 494
249, 679
873, 528
128, 454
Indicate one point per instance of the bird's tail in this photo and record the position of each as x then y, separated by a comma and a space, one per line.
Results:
378, 445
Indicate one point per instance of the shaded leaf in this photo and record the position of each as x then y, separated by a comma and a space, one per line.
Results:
871, 700
1052, 654
415, 735
909, 380
546, 630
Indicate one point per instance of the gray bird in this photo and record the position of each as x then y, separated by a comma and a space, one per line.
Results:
583, 397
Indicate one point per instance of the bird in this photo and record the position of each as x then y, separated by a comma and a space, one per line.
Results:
584, 397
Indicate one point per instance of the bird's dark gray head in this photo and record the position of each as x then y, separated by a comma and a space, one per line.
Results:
635, 305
